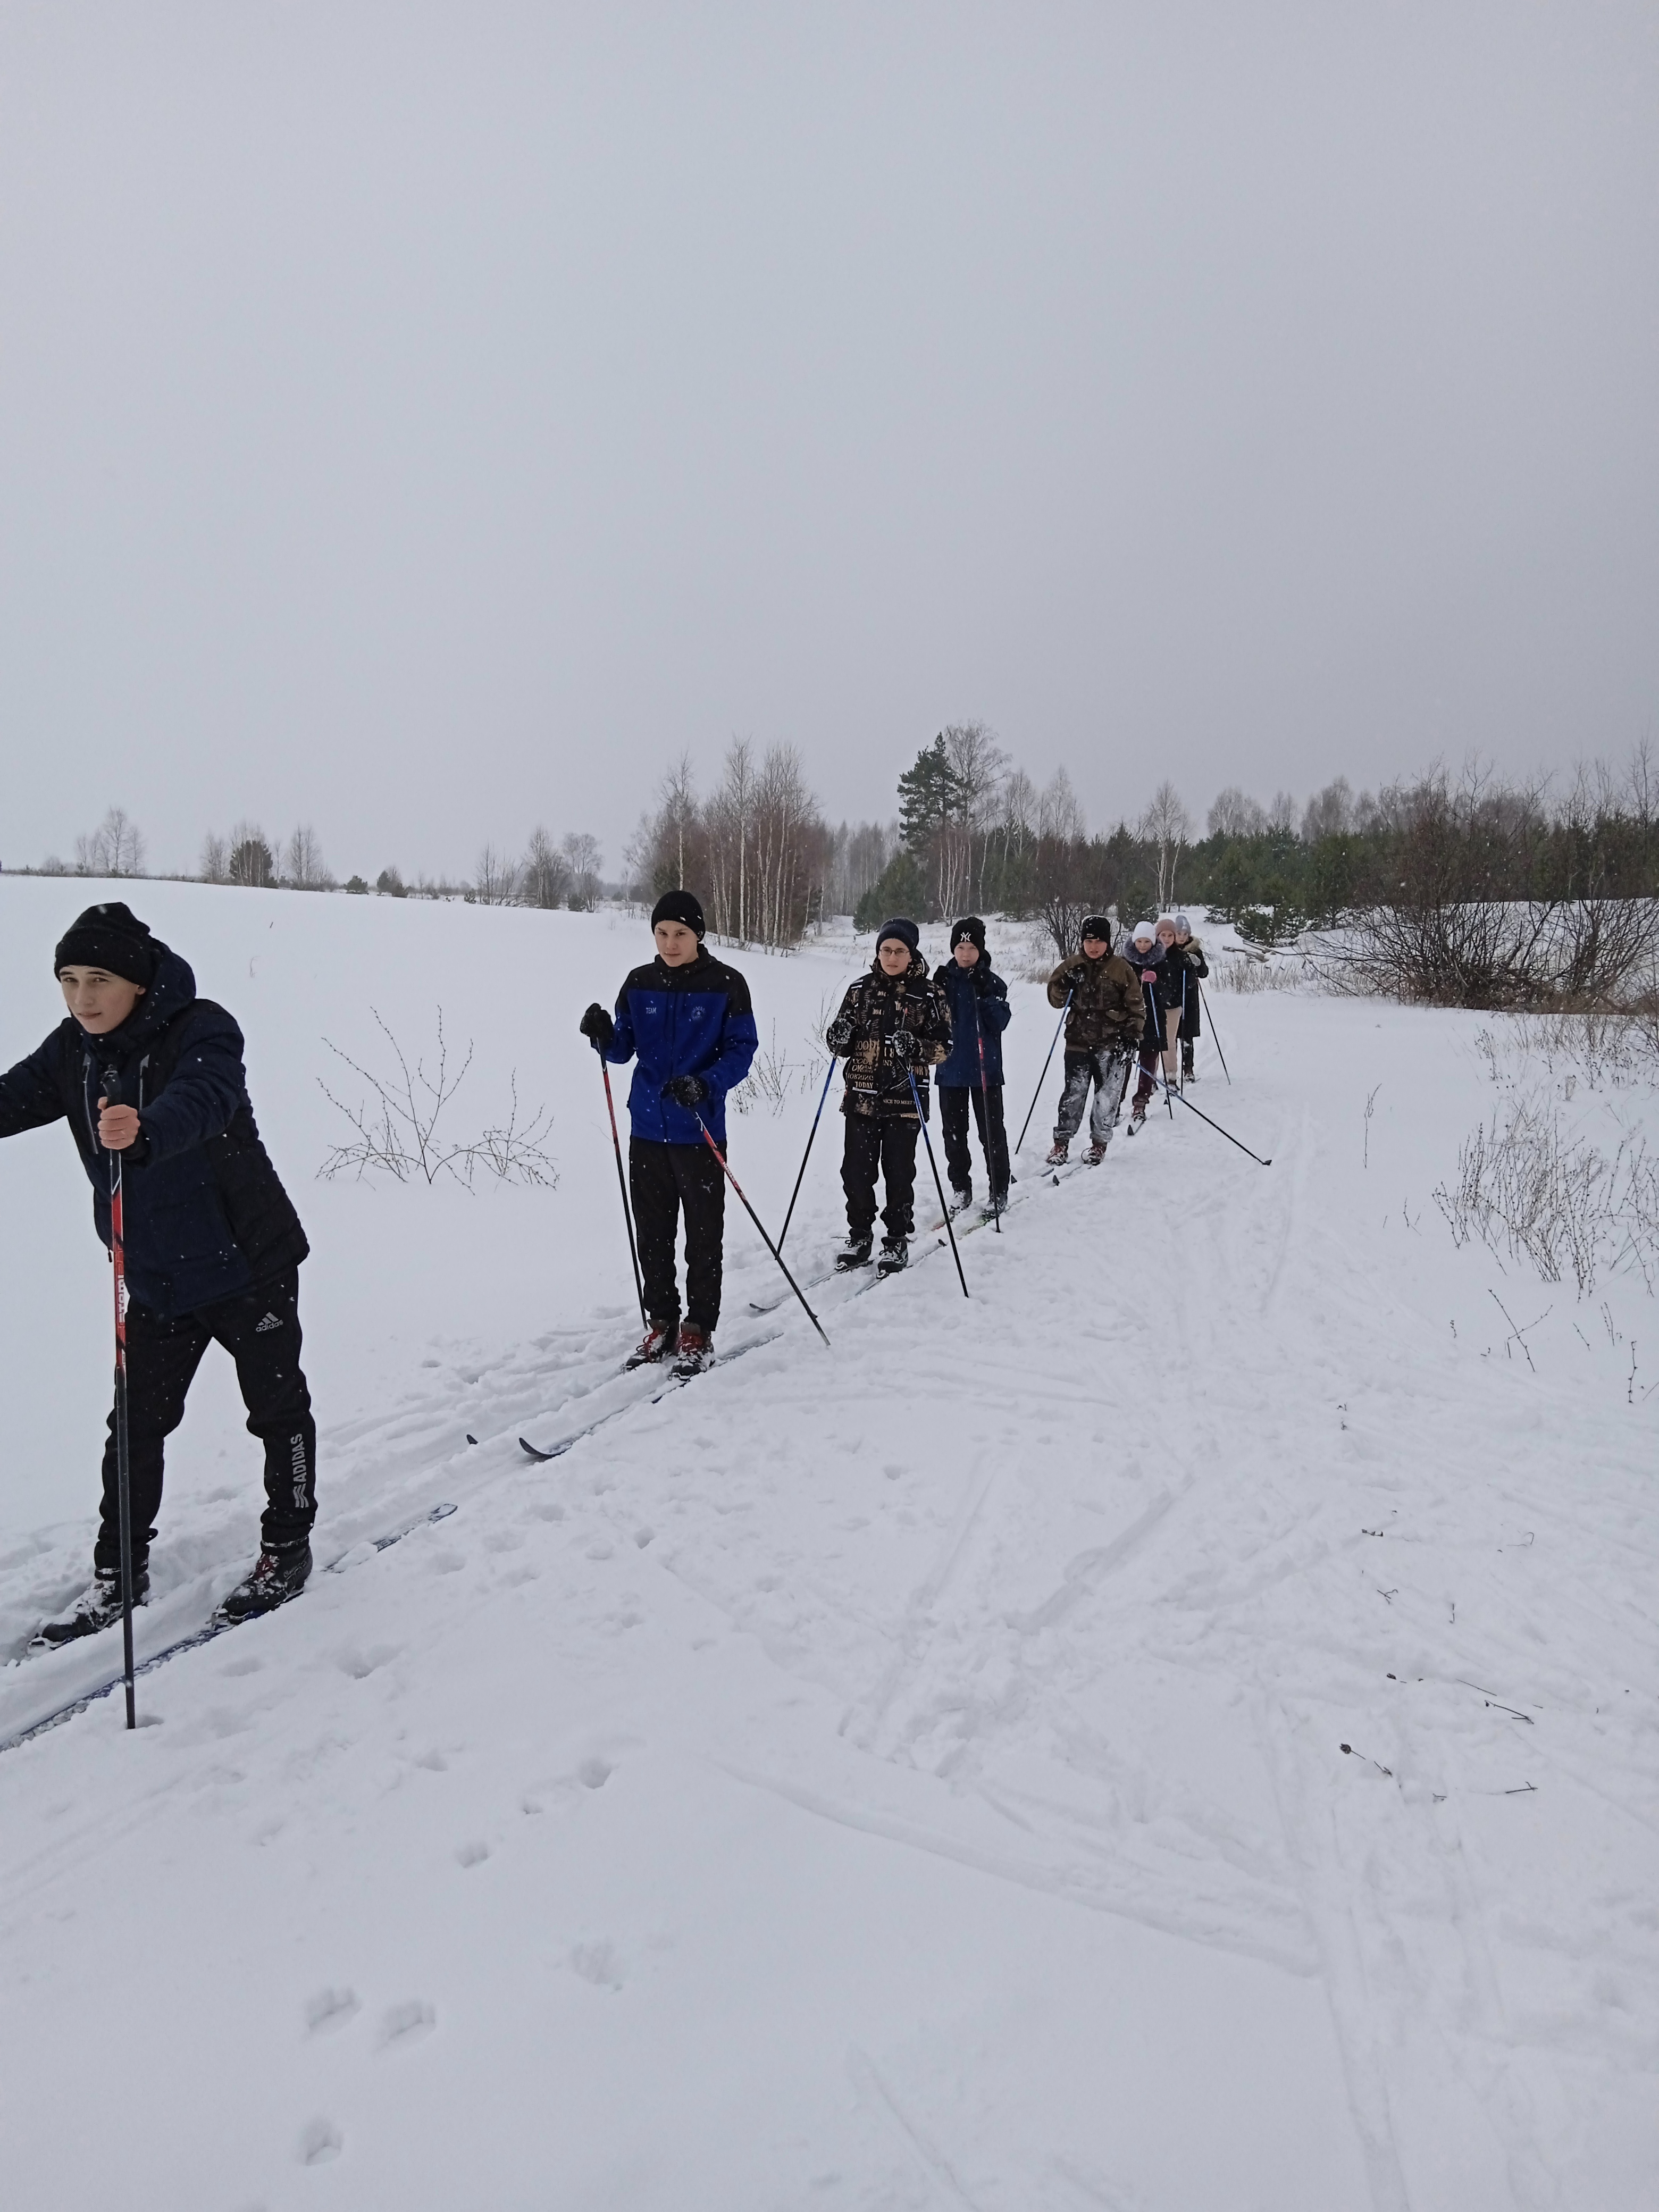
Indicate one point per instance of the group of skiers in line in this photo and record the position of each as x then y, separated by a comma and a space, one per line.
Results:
150, 1078
686, 1018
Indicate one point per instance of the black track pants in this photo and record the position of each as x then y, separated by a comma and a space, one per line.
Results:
260, 1330
661, 1180
953, 1118
872, 1146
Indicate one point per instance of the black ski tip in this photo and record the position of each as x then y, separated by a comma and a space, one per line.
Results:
525, 1445
472, 1439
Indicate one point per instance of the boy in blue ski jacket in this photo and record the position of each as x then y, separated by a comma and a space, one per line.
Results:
686, 1018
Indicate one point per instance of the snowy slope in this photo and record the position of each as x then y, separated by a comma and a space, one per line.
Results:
902, 1776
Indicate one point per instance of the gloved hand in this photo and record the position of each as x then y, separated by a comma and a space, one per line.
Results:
981, 975
597, 1026
686, 1091
906, 1045
839, 1035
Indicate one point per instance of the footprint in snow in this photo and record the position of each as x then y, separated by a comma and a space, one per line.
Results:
407, 2023
319, 2141
597, 1962
471, 1854
330, 2009
594, 1773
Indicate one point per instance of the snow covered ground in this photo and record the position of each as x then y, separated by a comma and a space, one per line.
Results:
909, 1775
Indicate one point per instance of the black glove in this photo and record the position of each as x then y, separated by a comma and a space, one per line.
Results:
686, 1091
906, 1045
839, 1035
597, 1026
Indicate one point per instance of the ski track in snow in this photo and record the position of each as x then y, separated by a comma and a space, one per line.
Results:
911, 1773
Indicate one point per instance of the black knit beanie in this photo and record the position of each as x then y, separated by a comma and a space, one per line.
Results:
679, 906
905, 931
971, 928
110, 937
1095, 925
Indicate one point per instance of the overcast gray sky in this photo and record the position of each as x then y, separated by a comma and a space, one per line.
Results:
425, 420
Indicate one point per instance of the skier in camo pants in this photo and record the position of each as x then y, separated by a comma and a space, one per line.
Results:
1101, 1030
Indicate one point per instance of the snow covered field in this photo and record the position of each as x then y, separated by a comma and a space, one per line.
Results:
910, 1775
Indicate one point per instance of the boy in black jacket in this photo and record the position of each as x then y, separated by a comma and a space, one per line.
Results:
978, 1000
893, 1025
143, 1067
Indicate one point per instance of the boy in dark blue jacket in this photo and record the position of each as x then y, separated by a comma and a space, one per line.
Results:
686, 1017
978, 1000
145, 1068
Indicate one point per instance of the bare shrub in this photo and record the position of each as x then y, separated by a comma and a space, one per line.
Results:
767, 1082
1527, 1187
398, 1130
1239, 972
214, 866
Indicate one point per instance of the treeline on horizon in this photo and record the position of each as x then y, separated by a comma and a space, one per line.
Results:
1465, 888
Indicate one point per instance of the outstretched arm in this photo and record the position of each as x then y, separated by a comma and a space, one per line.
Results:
29, 1095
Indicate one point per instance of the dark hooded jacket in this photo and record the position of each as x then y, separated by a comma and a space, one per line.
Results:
205, 1215
978, 1000
1152, 970
878, 1005
1187, 967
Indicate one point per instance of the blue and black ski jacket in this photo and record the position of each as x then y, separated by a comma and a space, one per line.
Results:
975, 995
695, 1020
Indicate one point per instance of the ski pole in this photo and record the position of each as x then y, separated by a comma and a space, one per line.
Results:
921, 1119
123, 1465
1205, 1004
1216, 1126
756, 1219
985, 1101
621, 1185
1043, 1077
807, 1154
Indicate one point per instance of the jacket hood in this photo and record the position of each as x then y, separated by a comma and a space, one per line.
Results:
173, 989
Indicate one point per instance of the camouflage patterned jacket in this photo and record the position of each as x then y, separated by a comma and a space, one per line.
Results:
1107, 1007
878, 1080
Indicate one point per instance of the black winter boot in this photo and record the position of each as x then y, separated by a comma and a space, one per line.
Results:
855, 1252
277, 1577
895, 1255
694, 1352
99, 1605
656, 1344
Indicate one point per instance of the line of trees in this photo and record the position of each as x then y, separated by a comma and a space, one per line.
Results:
757, 849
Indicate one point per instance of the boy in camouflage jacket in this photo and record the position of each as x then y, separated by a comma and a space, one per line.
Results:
893, 1025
